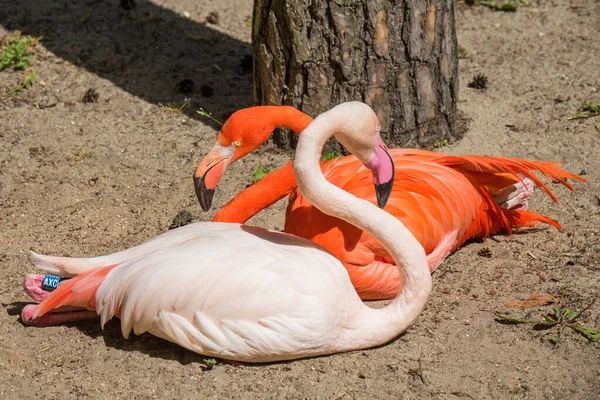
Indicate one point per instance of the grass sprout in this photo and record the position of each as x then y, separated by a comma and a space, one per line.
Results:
177, 107
260, 173
208, 115
26, 83
590, 109
441, 143
330, 155
79, 155
507, 6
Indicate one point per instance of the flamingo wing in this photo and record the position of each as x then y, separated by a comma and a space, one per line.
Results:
264, 295
431, 201
495, 172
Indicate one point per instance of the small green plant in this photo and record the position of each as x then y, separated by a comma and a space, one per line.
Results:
28, 80
441, 143
260, 173
208, 115
330, 155
17, 52
591, 334
558, 319
479, 82
505, 319
509, 6
177, 107
183, 217
210, 362
591, 106
565, 317
590, 109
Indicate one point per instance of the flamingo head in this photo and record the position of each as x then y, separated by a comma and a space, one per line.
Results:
359, 131
241, 134
381, 165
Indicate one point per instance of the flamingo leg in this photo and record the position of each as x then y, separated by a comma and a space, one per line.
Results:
516, 196
59, 316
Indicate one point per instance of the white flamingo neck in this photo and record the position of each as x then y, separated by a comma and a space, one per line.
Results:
409, 255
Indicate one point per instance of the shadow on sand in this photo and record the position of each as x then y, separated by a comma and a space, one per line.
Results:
151, 345
146, 52
112, 337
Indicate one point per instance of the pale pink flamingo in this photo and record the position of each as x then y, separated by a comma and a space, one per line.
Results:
248, 294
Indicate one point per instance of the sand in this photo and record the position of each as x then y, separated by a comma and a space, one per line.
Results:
88, 179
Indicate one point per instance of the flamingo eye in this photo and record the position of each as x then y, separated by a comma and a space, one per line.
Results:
237, 143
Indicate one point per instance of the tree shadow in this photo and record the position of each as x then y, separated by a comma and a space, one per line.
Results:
146, 52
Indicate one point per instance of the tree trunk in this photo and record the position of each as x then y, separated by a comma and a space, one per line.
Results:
398, 56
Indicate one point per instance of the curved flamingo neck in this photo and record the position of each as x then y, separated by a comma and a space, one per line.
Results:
370, 327
259, 196
289, 117
274, 186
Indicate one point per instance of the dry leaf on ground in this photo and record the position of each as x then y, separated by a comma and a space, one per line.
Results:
534, 300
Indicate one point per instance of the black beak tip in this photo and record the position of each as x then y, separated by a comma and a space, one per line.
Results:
383, 192
204, 194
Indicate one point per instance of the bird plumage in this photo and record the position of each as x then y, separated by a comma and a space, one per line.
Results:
245, 293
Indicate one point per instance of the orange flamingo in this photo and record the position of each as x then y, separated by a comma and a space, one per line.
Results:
443, 200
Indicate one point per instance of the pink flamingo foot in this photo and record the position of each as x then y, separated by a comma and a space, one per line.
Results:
33, 287
516, 196
59, 316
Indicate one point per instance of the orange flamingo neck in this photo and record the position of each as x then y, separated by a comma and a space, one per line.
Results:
262, 194
291, 118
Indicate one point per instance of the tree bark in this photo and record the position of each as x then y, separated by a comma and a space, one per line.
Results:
398, 56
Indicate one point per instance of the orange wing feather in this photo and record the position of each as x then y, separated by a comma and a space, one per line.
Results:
442, 200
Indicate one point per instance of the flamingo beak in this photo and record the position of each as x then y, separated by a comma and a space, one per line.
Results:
209, 172
382, 167
383, 192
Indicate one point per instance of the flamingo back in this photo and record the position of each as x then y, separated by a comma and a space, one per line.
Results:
432, 201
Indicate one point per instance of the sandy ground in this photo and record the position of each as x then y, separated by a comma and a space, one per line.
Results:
87, 179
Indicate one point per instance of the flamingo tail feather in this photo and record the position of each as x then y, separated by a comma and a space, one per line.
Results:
77, 292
